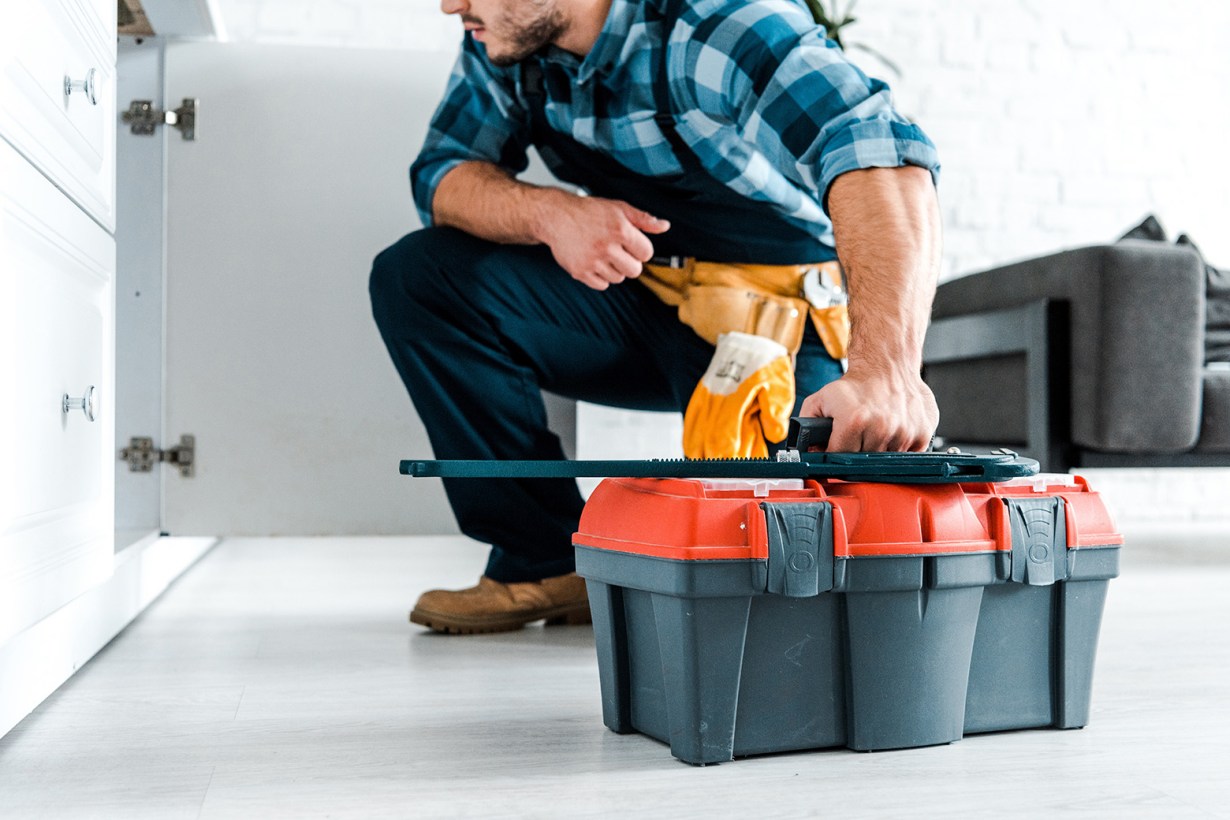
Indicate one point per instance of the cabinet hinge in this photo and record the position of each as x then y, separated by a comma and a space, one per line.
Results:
142, 455
143, 117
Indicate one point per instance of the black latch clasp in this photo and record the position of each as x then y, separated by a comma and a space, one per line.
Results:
800, 548
1039, 540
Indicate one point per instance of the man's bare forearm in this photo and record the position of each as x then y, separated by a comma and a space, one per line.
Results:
887, 228
484, 200
599, 242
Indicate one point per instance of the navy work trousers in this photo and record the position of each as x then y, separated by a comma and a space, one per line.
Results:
477, 329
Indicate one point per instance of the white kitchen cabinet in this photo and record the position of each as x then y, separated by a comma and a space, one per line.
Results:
57, 306
57, 501
66, 131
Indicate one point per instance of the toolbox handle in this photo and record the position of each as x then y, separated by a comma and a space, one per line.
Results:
806, 432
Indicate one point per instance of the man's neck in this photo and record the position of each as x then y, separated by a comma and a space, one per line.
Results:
585, 21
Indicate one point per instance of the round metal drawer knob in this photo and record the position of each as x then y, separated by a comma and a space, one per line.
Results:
85, 404
87, 86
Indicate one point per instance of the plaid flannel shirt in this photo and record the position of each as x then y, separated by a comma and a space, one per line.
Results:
770, 106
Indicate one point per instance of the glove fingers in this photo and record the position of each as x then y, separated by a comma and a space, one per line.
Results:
746, 394
696, 422
751, 443
776, 401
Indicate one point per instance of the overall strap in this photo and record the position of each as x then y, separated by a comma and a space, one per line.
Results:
672, 11
534, 90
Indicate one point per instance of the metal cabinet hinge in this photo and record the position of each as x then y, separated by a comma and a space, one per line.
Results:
144, 117
142, 455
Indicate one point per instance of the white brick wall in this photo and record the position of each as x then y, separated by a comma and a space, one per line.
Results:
1058, 124
1063, 124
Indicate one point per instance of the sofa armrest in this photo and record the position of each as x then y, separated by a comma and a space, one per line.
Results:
1136, 319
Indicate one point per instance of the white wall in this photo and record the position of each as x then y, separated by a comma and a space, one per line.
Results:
1059, 124
416, 24
1064, 123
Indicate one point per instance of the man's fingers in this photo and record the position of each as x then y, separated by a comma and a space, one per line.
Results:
636, 244
592, 280
602, 276
610, 273
845, 438
626, 266
645, 221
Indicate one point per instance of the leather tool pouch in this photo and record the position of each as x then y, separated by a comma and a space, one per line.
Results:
833, 327
711, 310
714, 299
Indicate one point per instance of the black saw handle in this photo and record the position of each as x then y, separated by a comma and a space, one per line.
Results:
806, 432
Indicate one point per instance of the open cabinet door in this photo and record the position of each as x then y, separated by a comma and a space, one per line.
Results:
296, 179
140, 209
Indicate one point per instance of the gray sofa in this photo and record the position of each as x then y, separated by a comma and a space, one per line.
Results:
1090, 357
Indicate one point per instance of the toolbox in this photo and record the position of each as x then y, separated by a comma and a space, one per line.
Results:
867, 600
739, 617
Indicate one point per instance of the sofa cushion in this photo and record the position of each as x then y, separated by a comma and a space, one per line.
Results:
1217, 290
1215, 427
1217, 308
1217, 327
1150, 229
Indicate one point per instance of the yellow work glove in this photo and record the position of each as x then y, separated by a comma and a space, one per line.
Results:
744, 398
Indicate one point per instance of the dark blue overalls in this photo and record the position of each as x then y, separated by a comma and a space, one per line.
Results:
476, 329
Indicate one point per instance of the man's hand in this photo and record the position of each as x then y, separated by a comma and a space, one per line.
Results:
887, 226
891, 413
600, 242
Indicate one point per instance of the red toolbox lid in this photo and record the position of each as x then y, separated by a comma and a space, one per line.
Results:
684, 518
1087, 520
699, 519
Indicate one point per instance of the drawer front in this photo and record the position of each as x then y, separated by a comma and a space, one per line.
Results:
57, 474
69, 138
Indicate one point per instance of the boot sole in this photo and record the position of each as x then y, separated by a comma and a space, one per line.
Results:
572, 615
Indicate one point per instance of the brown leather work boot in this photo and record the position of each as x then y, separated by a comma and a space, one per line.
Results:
496, 607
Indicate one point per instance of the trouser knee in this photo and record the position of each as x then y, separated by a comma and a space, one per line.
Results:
406, 278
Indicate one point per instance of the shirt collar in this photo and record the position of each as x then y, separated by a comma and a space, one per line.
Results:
608, 48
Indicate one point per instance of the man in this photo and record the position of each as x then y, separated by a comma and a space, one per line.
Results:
729, 151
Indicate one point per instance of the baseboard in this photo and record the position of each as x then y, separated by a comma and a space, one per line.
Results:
35, 662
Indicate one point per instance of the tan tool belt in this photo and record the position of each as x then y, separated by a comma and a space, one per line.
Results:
764, 300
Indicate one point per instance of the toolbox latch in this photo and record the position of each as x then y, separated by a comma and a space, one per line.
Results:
1039, 540
800, 548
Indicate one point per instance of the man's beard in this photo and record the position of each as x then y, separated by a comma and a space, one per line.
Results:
529, 36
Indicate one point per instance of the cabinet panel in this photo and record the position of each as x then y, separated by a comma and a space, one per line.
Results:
56, 474
69, 138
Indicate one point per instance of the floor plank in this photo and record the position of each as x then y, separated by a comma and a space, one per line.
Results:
279, 678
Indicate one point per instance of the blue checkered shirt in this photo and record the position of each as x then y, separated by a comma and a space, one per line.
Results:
770, 107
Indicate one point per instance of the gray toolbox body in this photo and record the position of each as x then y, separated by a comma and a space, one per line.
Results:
979, 614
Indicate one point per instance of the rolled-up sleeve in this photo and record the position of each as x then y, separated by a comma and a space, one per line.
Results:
795, 96
480, 118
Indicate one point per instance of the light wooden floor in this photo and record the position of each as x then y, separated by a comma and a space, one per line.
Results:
279, 678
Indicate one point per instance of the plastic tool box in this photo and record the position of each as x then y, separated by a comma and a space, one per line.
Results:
736, 617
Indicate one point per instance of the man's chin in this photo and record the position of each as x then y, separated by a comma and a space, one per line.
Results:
504, 59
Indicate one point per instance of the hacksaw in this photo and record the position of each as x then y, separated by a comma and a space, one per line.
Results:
796, 460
